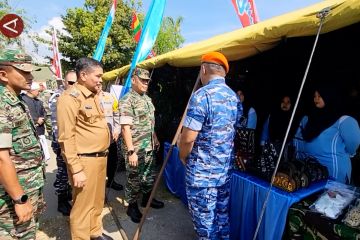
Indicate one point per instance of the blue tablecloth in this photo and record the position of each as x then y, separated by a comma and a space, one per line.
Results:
174, 174
247, 196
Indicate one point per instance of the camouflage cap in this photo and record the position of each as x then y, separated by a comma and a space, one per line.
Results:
16, 58
142, 73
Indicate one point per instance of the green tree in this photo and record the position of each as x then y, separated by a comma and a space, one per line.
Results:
83, 27
169, 37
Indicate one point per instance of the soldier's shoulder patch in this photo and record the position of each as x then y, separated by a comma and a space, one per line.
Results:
10, 98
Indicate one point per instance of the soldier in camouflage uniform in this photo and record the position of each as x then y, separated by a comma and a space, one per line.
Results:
139, 142
21, 158
61, 184
207, 141
45, 96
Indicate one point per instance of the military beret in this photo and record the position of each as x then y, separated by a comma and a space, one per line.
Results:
217, 58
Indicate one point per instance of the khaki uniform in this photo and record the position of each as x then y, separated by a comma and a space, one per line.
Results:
18, 134
83, 131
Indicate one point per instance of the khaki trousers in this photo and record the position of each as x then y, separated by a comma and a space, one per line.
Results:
88, 202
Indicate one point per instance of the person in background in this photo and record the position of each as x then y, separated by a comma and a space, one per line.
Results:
137, 122
21, 157
111, 110
328, 135
249, 117
38, 115
275, 126
206, 146
84, 139
44, 97
61, 184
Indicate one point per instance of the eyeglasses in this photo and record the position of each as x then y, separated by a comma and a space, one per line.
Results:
71, 83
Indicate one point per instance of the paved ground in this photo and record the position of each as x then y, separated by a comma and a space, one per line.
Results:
170, 223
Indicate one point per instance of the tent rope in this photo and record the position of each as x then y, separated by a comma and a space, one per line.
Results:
322, 15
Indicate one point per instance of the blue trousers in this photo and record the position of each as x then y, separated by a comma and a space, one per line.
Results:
209, 209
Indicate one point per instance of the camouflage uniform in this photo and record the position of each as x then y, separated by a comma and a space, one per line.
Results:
45, 97
213, 111
138, 111
18, 134
61, 183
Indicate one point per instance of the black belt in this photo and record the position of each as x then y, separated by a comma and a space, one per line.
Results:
95, 154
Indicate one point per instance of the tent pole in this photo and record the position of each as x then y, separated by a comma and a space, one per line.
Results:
138, 230
322, 14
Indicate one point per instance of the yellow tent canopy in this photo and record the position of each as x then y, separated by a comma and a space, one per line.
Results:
254, 39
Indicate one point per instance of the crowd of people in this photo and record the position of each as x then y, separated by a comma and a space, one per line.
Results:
89, 126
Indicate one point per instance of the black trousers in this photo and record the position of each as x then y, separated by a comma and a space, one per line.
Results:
112, 161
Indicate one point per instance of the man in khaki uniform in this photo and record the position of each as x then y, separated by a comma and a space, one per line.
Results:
84, 139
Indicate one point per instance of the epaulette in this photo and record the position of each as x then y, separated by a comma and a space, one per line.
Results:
74, 93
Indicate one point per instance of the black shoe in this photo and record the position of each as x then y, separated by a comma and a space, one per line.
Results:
134, 213
154, 203
114, 185
63, 205
102, 237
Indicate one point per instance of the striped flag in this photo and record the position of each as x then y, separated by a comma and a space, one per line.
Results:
100, 48
56, 64
147, 39
246, 11
136, 27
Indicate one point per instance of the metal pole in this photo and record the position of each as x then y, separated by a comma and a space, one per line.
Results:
322, 14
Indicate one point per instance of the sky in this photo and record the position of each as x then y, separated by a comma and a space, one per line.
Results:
202, 19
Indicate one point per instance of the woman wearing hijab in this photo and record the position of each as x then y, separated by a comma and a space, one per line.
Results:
328, 135
249, 117
274, 128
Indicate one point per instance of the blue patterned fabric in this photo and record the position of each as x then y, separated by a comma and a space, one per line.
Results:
213, 111
209, 210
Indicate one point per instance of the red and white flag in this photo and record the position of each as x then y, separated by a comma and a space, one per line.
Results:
246, 11
56, 64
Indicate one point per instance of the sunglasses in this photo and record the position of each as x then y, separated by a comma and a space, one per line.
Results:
71, 83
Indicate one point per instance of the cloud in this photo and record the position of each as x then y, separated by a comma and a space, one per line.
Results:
39, 55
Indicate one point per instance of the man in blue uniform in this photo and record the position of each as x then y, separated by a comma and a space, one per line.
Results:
61, 184
206, 146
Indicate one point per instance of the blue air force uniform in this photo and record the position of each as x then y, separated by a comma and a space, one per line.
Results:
213, 111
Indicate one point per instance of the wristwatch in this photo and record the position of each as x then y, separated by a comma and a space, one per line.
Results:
21, 200
130, 152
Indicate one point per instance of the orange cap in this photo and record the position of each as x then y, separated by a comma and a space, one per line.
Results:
216, 57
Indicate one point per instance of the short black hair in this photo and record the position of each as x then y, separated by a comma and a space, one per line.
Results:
85, 64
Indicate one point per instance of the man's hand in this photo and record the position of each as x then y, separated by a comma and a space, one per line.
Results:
79, 179
24, 212
156, 142
40, 120
133, 160
115, 135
